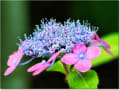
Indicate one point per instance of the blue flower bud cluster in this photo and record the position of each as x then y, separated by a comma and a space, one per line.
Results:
51, 36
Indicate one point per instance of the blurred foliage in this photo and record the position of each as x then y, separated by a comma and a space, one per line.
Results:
102, 14
58, 67
15, 22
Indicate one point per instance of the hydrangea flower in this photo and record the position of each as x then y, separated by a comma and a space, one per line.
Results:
52, 38
81, 57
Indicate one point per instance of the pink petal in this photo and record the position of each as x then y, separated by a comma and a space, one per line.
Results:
93, 37
105, 43
100, 40
69, 59
12, 58
53, 56
93, 52
34, 67
19, 55
83, 66
95, 42
79, 47
9, 70
42, 68
108, 51
97, 37
15, 57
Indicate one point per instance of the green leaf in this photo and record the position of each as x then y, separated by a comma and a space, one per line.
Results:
113, 40
86, 80
58, 67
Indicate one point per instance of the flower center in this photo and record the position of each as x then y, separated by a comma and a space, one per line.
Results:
43, 62
81, 56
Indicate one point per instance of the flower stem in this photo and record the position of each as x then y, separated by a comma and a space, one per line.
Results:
67, 72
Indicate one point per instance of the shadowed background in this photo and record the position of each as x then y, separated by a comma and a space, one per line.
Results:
21, 17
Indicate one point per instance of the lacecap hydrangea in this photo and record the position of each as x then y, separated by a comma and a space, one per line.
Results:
52, 38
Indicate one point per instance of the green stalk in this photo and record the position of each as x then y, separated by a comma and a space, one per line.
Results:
67, 72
